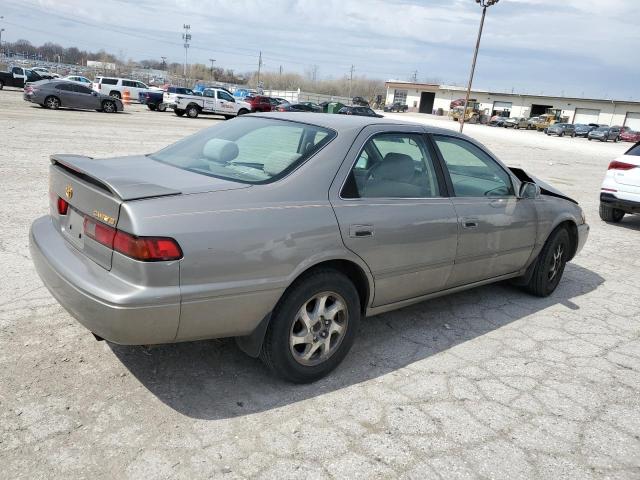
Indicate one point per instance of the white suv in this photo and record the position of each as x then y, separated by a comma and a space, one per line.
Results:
620, 191
115, 87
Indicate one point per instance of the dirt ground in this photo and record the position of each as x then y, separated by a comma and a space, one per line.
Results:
489, 383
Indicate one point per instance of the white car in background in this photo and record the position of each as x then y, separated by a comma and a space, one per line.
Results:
44, 72
620, 191
116, 87
79, 79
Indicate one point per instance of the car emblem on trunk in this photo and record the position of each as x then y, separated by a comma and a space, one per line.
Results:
68, 191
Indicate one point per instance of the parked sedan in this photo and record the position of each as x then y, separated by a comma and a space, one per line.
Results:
54, 94
561, 129
516, 123
284, 230
295, 107
604, 134
583, 129
497, 121
362, 111
630, 136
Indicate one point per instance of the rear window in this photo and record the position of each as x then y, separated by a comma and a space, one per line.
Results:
635, 150
248, 150
109, 81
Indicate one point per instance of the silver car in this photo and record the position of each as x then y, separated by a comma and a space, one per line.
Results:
54, 94
285, 229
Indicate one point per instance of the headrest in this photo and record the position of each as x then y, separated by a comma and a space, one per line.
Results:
221, 151
396, 167
277, 161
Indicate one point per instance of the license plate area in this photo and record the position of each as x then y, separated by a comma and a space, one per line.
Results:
73, 228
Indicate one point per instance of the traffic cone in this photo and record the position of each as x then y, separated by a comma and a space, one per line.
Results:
126, 97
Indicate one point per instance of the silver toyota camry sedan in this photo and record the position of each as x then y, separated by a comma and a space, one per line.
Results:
284, 230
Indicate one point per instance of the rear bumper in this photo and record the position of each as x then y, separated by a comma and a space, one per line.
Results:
628, 206
111, 308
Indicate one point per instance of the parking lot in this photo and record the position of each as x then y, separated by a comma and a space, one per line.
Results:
488, 383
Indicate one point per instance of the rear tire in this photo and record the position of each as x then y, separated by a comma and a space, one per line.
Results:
610, 214
52, 103
178, 112
115, 94
305, 339
1, 84
162, 107
550, 264
151, 107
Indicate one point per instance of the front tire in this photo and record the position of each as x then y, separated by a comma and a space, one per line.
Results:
243, 111
550, 264
313, 327
610, 214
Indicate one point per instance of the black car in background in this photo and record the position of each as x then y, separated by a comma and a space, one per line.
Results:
298, 107
605, 134
396, 107
360, 111
562, 129
583, 129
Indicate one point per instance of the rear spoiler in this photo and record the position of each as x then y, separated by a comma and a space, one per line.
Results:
545, 188
100, 175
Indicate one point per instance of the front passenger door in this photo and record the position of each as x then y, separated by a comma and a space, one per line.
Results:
497, 229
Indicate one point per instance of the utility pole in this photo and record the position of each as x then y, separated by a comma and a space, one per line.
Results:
1, 30
212, 60
186, 36
484, 4
259, 68
414, 76
164, 63
351, 79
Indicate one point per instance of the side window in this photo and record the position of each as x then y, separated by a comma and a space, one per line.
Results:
208, 93
128, 83
225, 96
393, 165
141, 85
109, 81
82, 89
65, 87
473, 172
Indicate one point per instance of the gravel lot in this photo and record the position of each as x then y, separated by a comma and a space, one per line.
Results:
490, 383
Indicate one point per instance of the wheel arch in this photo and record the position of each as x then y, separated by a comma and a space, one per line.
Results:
358, 274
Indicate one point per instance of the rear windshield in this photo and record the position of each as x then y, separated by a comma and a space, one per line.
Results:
635, 150
247, 150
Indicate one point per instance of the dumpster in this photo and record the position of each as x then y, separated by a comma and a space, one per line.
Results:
334, 107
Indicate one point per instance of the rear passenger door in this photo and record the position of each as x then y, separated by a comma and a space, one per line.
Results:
497, 229
392, 208
65, 92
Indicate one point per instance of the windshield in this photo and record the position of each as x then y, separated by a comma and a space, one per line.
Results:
602, 129
248, 150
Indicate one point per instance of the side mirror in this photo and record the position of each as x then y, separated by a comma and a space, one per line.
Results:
529, 190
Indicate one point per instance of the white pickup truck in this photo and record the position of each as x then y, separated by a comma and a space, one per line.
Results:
214, 101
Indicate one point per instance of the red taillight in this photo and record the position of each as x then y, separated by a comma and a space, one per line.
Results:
616, 165
146, 249
149, 249
63, 206
99, 232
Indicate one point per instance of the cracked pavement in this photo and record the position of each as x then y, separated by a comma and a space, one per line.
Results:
490, 383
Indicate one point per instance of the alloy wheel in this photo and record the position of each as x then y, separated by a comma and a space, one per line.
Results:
318, 329
556, 264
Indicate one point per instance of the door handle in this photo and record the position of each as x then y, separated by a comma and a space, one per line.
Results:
470, 222
497, 203
359, 231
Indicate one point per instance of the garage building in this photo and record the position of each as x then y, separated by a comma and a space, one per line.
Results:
434, 98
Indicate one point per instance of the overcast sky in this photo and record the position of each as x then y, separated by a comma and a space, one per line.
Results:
575, 47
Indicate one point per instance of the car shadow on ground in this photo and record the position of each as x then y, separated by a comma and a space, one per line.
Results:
215, 380
631, 222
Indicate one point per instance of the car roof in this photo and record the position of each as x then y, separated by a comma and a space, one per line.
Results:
347, 122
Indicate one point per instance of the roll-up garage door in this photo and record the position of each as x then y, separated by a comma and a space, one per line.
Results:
586, 115
633, 121
502, 106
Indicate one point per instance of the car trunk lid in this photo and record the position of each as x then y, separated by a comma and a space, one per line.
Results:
96, 189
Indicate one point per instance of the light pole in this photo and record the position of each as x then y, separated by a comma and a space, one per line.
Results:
1, 30
186, 36
484, 4
212, 60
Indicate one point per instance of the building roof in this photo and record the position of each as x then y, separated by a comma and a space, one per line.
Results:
418, 85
